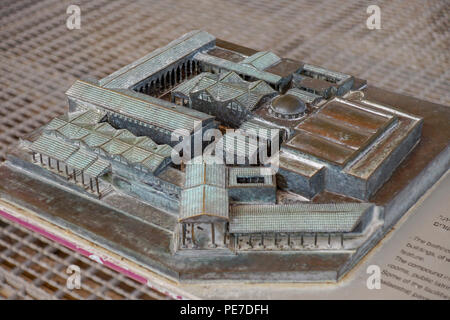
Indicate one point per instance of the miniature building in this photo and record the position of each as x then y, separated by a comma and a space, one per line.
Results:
226, 96
140, 116
251, 184
277, 226
300, 176
86, 147
204, 201
322, 82
118, 134
346, 137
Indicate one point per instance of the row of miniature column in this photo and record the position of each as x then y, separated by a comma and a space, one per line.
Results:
93, 182
193, 241
259, 239
171, 78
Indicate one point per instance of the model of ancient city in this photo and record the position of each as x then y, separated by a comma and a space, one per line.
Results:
247, 151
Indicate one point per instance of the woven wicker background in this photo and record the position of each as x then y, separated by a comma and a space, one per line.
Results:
40, 57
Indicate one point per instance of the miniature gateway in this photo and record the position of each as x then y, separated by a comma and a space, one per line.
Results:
107, 165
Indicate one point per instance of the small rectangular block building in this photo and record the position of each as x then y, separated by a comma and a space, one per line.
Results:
251, 184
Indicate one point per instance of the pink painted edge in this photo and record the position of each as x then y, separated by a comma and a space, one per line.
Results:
72, 246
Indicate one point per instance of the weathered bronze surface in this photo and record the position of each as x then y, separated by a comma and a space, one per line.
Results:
434, 141
147, 243
150, 246
334, 134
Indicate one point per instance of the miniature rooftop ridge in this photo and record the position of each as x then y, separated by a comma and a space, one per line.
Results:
205, 173
242, 146
72, 155
162, 103
226, 86
331, 75
159, 59
168, 118
302, 218
98, 168
81, 159
307, 97
53, 147
205, 195
238, 68
112, 142
261, 60
204, 202
227, 89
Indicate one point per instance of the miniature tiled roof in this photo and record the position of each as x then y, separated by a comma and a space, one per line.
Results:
55, 124
198, 83
305, 96
302, 218
159, 59
239, 68
224, 92
115, 146
248, 99
204, 200
58, 149
72, 131
231, 77
98, 168
125, 136
105, 128
227, 86
153, 162
81, 159
53, 147
121, 103
145, 143
95, 139
88, 118
188, 86
135, 154
239, 145
112, 142
332, 76
260, 87
198, 173
205, 195
259, 129
163, 150
166, 104
205, 81
261, 60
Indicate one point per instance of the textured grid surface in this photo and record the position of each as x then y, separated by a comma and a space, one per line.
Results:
32, 267
40, 58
